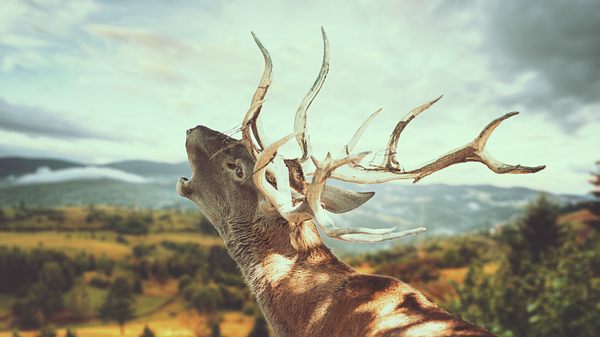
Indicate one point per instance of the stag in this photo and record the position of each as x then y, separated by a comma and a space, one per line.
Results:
267, 210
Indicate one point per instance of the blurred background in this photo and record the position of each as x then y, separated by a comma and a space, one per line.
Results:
95, 98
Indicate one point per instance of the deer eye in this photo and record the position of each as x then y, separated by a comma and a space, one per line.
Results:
239, 171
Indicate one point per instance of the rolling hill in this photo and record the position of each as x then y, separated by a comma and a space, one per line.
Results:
444, 209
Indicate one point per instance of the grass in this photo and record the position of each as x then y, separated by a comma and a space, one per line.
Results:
183, 324
76, 218
67, 242
144, 304
147, 304
98, 243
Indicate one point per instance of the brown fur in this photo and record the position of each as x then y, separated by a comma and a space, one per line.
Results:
302, 288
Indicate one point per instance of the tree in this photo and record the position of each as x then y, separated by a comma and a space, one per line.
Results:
15, 333
535, 237
47, 331
70, 333
52, 276
215, 329
539, 230
137, 285
3, 218
260, 328
118, 305
548, 283
594, 206
39, 302
79, 303
206, 299
147, 332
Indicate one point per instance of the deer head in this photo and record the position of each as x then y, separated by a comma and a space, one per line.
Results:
244, 179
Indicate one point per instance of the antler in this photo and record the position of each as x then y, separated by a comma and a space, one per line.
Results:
300, 119
358, 234
251, 117
472, 152
281, 196
282, 183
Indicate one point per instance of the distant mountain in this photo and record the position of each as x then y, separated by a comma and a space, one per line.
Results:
97, 191
16, 166
443, 209
150, 168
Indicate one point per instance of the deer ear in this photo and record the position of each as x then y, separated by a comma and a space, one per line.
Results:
338, 200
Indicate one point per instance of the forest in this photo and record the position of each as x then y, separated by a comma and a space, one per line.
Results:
71, 271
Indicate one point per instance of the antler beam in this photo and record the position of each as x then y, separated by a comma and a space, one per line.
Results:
251, 117
282, 183
472, 152
357, 234
300, 119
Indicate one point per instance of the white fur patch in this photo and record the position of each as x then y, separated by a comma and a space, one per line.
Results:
310, 236
276, 267
426, 329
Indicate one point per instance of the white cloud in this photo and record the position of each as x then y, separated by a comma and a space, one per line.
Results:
46, 175
147, 73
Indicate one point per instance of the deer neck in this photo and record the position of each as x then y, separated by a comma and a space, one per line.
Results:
288, 269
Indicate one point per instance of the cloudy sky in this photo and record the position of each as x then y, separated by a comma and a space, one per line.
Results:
100, 81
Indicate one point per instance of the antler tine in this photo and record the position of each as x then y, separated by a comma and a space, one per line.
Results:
475, 151
389, 161
313, 198
300, 118
472, 152
251, 117
348, 148
280, 195
358, 237
247, 123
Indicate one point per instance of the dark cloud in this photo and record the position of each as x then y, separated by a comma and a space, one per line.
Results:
35, 121
558, 43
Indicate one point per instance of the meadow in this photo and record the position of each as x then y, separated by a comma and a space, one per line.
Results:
182, 281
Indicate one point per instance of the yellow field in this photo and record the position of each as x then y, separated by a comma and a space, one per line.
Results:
64, 242
200, 239
234, 324
98, 244
458, 274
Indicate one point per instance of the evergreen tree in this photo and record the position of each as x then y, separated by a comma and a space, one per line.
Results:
260, 328
536, 236
215, 329
539, 229
3, 218
47, 331
594, 206
206, 299
118, 305
79, 303
39, 301
138, 286
147, 332
547, 285
70, 333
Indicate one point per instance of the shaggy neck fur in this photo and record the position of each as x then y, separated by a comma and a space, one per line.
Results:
285, 265
305, 291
